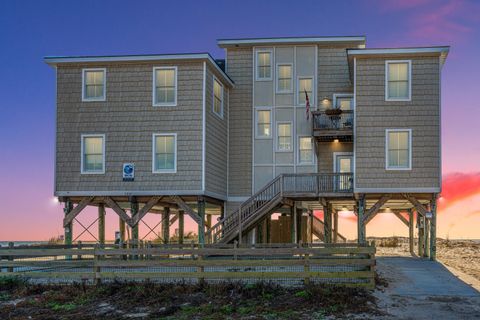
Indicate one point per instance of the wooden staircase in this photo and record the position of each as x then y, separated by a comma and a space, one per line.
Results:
280, 190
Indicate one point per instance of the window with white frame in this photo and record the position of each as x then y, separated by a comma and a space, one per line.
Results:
165, 86
344, 102
164, 153
305, 150
93, 86
304, 85
264, 124
284, 78
398, 149
398, 80
264, 65
93, 153
284, 136
217, 97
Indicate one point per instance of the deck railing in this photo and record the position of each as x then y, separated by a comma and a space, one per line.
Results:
324, 121
284, 185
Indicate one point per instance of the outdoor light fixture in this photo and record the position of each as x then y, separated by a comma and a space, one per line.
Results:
336, 140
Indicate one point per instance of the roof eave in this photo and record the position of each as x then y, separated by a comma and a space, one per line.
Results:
225, 43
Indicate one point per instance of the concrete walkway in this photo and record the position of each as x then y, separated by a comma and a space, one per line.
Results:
422, 289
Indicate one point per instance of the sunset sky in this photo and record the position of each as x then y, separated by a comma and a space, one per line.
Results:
30, 30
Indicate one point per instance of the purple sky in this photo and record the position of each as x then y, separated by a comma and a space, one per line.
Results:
30, 30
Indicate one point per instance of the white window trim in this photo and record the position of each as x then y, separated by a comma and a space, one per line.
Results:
277, 73
271, 65
300, 163
291, 136
220, 115
174, 135
154, 91
342, 95
104, 95
312, 97
341, 153
409, 98
410, 149
257, 136
82, 148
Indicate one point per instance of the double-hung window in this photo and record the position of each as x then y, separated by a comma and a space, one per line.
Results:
93, 153
264, 124
164, 153
305, 150
93, 84
264, 65
398, 84
165, 86
284, 136
304, 85
398, 149
284, 78
217, 98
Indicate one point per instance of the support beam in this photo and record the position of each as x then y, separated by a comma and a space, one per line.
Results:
173, 219
420, 226
335, 226
72, 213
293, 224
121, 227
402, 218
166, 225
418, 206
181, 226
361, 224
299, 230
134, 213
372, 212
208, 221
426, 246
327, 222
433, 228
68, 228
145, 209
201, 222
186, 208
410, 231
101, 224
115, 207
268, 228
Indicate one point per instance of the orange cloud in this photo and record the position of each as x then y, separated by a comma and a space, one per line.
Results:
457, 187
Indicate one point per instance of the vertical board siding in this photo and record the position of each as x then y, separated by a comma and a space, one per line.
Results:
239, 68
128, 120
216, 140
374, 115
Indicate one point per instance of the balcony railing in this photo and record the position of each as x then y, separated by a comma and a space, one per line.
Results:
322, 120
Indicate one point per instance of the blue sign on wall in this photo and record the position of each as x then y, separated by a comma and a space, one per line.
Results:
128, 172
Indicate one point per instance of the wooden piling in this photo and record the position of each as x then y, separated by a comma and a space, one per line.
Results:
181, 226
335, 226
410, 231
360, 222
166, 225
101, 224
433, 228
201, 225
68, 229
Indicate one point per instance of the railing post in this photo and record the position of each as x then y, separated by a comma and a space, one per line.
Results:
10, 258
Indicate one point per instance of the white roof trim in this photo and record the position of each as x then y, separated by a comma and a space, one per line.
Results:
157, 57
439, 50
232, 42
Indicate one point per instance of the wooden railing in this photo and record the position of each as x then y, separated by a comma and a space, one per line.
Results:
347, 264
324, 121
284, 185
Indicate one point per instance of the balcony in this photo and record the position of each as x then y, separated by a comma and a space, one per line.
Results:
333, 125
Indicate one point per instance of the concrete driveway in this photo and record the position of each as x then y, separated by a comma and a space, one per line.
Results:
422, 289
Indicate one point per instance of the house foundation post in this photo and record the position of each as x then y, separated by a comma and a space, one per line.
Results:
420, 224
293, 224
426, 246
433, 228
201, 225
268, 225
410, 231
181, 226
134, 212
121, 227
361, 204
166, 225
299, 224
68, 229
335, 226
327, 222
101, 224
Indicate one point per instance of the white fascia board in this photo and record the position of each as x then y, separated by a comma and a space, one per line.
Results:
293, 40
53, 61
358, 52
